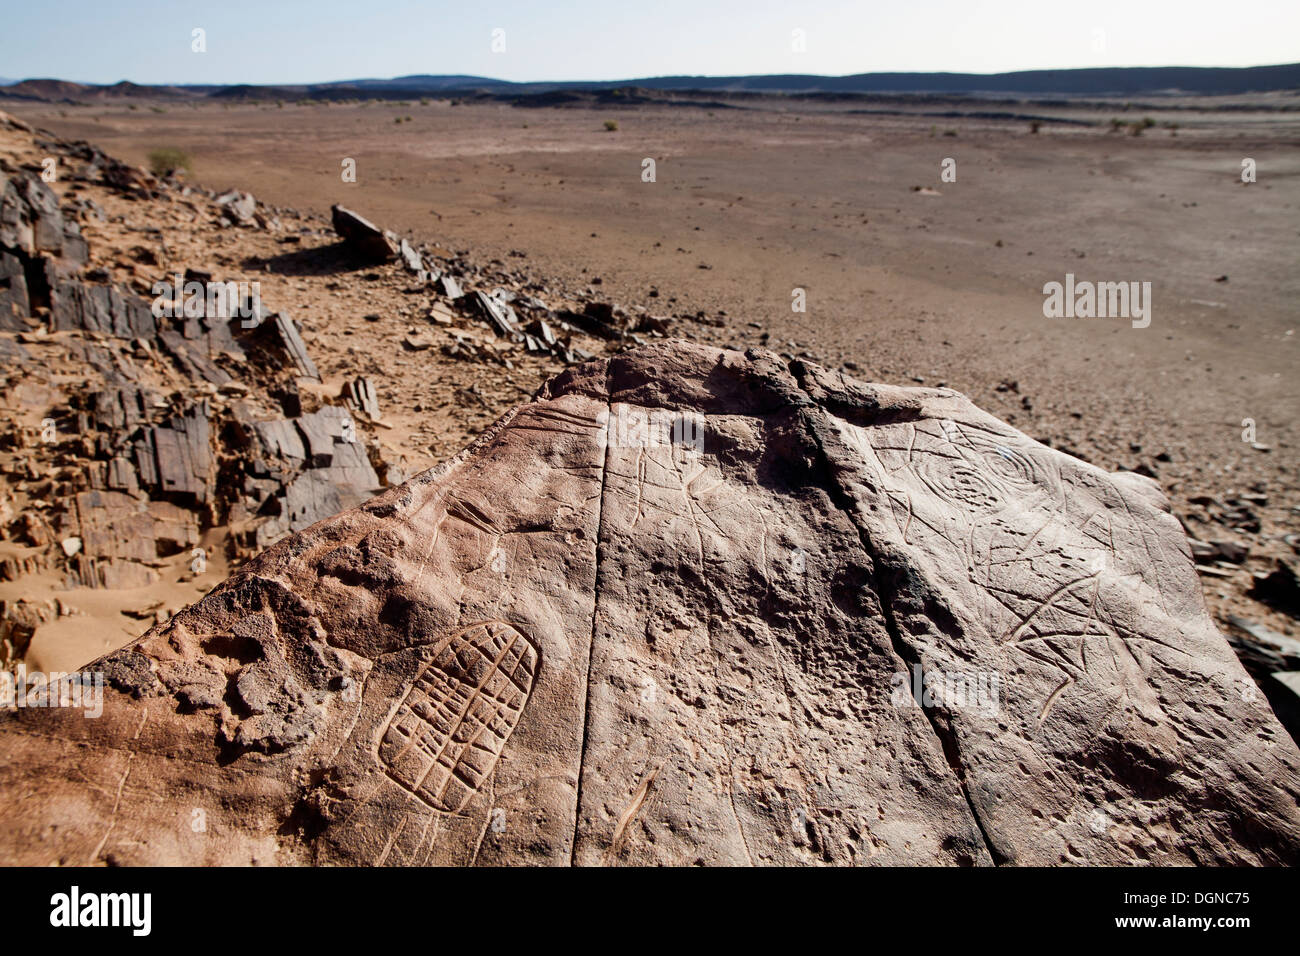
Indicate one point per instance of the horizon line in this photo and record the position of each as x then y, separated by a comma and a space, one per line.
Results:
661, 76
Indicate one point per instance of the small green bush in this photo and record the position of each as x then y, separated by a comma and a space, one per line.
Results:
611, 126
169, 159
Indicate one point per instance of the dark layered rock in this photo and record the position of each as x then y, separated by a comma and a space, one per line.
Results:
15, 305
301, 471
291, 341
86, 307
363, 237
32, 225
146, 454
359, 395
175, 460
120, 538
690, 606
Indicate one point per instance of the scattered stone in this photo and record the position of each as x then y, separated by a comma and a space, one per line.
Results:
1283, 691
1279, 588
410, 258
237, 206
359, 395
1230, 551
498, 313
439, 314
597, 318
1266, 650
294, 345
18, 623
366, 239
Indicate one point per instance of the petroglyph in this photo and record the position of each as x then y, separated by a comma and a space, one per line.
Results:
721, 632
451, 727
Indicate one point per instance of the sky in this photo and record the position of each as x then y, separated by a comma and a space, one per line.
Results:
288, 41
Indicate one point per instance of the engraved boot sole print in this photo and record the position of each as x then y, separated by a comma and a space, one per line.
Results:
447, 734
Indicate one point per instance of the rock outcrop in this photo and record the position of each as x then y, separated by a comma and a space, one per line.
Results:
689, 606
152, 411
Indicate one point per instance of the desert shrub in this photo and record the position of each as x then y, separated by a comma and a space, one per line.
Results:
611, 125
168, 159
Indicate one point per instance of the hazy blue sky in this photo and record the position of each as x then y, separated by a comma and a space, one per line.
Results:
267, 41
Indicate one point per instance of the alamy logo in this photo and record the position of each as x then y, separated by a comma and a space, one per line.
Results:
83, 689
634, 427
195, 300
74, 909
1099, 300
953, 690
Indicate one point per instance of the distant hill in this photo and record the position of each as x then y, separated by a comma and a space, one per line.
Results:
427, 83
1088, 82
1118, 81
64, 90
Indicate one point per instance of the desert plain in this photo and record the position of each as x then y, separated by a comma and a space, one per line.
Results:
907, 277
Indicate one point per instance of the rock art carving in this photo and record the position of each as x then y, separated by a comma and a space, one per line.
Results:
578, 643
450, 728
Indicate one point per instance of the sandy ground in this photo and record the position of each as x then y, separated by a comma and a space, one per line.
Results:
908, 278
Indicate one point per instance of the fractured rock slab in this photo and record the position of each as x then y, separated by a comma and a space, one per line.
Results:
363, 236
689, 606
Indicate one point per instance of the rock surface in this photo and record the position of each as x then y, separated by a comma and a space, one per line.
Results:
369, 241
674, 612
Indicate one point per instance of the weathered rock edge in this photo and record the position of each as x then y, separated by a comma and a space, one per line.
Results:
575, 644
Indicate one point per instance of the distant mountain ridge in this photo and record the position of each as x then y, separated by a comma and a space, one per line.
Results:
1097, 81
